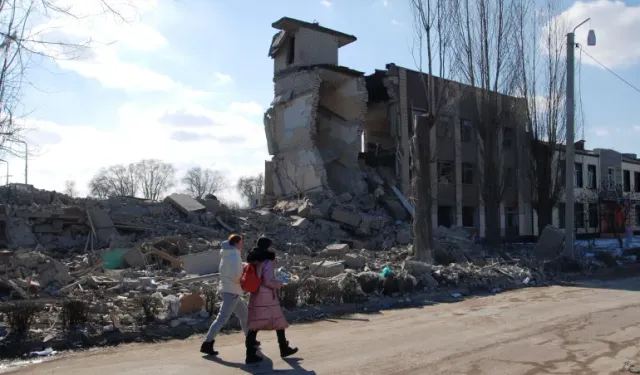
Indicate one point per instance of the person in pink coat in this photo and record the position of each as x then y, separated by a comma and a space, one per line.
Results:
265, 313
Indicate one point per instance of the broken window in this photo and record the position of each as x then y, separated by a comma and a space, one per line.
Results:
507, 137
592, 176
468, 216
467, 173
636, 178
509, 177
445, 216
626, 179
577, 176
291, 52
465, 130
578, 209
445, 172
511, 221
561, 212
638, 215
444, 130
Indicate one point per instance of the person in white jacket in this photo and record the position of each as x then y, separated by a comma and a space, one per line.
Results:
231, 268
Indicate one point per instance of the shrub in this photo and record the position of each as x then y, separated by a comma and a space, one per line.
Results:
211, 298
289, 294
149, 305
74, 312
20, 315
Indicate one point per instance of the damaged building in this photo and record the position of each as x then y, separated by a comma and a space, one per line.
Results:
314, 125
327, 124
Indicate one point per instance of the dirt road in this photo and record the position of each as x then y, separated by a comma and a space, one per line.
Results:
556, 330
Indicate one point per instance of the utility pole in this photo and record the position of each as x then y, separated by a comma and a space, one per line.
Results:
569, 217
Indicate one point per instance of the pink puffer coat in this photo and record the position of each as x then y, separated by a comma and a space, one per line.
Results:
265, 313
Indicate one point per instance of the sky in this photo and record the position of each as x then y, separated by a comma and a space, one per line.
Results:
188, 81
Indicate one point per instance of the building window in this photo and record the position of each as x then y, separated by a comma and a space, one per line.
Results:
291, 53
445, 172
626, 180
468, 216
592, 176
611, 179
636, 178
507, 137
444, 130
561, 215
578, 213
638, 215
465, 130
467, 173
445, 216
577, 175
511, 221
593, 216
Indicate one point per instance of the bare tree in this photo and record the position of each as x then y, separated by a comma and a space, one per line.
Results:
542, 81
116, 180
20, 43
485, 47
433, 47
250, 186
156, 177
70, 188
200, 182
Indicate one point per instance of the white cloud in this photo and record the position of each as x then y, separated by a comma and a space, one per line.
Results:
385, 3
248, 108
221, 79
221, 140
617, 26
107, 38
395, 22
636, 128
601, 132
326, 3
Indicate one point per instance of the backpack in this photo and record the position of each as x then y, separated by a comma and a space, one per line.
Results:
250, 282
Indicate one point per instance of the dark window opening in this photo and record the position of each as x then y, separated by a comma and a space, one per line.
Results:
636, 177
638, 215
444, 130
592, 176
577, 176
593, 216
509, 177
578, 213
291, 53
445, 172
467, 173
626, 180
561, 215
511, 221
445, 216
468, 216
465, 130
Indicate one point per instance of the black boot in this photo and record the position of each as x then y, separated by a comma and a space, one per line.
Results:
257, 344
251, 345
207, 348
285, 349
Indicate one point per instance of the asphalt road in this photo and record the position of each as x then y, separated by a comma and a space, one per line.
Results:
555, 330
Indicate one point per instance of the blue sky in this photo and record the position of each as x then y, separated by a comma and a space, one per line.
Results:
187, 81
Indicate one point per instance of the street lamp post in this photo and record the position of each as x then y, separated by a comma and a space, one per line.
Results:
569, 152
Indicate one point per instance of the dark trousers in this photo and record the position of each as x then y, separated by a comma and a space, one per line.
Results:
250, 340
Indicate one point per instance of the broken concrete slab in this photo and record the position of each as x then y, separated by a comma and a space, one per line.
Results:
185, 203
334, 251
201, 263
135, 258
549, 244
300, 222
354, 261
327, 269
346, 217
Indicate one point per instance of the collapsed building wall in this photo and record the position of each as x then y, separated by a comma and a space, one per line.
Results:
314, 124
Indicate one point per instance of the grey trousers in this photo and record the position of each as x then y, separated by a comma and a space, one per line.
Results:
231, 304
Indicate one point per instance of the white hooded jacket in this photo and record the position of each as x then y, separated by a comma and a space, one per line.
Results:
230, 269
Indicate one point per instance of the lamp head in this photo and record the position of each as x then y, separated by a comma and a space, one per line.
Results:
591, 38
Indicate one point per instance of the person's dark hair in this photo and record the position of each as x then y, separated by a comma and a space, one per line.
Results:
264, 243
234, 239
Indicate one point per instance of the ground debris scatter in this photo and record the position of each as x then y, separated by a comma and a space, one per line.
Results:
76, 269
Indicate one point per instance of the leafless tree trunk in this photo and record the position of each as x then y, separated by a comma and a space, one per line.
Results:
70, 188
542, 81
116, 180
433, 37
20, 42
249, 186
200, 182
485, 51
156, 178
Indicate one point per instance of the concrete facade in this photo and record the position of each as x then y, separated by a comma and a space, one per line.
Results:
314, 125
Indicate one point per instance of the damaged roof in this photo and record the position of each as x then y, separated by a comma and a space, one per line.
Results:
333, 68
292, 24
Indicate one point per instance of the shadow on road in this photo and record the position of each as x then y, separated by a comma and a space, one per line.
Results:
264, 367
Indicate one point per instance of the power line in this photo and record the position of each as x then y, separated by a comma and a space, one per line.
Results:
609, 70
